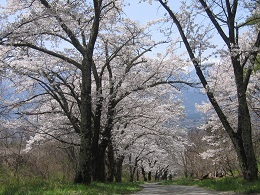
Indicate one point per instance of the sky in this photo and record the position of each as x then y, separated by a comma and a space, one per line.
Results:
143, 11
2, 2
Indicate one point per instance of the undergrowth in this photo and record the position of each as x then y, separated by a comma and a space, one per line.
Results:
34, 186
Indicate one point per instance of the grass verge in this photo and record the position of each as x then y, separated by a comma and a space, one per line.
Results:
44, 187
235, 184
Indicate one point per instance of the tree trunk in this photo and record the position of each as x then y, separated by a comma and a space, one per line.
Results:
100, 169
249, 168
118, 171
100, 172
83, 174
132, 173
149, 176
84, 171
249, 163
143, 173
137, 174
111, 162
165, 174
131, 169
156, 177
96, 137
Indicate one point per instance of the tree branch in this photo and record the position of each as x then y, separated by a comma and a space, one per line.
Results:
49, 52
214, 21
66, 29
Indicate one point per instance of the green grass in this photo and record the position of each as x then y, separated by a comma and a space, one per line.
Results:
235, 184
43, 187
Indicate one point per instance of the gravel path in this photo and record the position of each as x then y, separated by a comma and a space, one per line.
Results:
154, 188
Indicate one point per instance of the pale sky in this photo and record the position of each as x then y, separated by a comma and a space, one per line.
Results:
143, 12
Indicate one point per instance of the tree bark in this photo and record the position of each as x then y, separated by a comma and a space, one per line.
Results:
84, 171
96, 137
100, 170
149, 176
156, 177
137, 174
111, 162
118, 168
143, 173
131, 168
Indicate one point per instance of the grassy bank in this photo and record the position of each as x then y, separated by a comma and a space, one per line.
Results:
54, 187
235, 184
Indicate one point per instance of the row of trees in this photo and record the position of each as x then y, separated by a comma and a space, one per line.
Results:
82, 77
224, 17
79, 72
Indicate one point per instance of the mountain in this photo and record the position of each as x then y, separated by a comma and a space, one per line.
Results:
190, 97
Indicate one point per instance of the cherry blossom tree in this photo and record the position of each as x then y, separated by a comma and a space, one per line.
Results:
73, 65
149, 131
54, 22
226, 18
216, 137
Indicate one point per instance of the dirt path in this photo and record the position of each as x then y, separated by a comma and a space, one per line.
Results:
154, 188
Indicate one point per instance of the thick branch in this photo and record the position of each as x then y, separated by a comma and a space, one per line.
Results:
66, 29
214, 21
200, 74
49, 52
139, 88
95, 27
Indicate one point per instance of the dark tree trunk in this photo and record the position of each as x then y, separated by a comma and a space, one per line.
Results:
118, 171
131, 168
132, 173
83, 174
96, 137
95, 153
149, 176
111, 162
137, 174
143, 173
170, 177
249, 168
100, 168
249, 163
165, 173
100, 171
84, 171
156, 177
